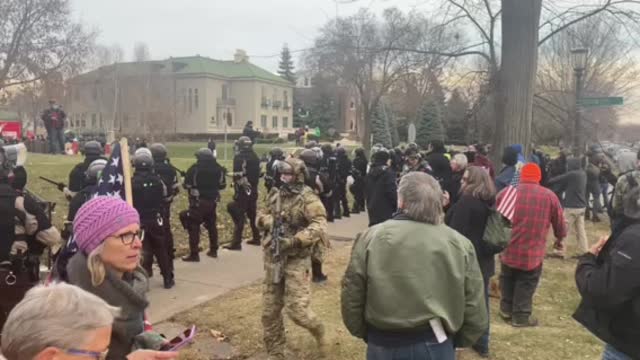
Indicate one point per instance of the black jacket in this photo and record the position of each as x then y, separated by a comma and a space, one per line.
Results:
77, 178
148, 195
247, 163
169, 177
343, 169
469, 217
204, 176
440, 168
360, 166
381, 192
610, 290
454, 186
573, 184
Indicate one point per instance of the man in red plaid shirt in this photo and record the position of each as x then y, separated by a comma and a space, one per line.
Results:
536, 210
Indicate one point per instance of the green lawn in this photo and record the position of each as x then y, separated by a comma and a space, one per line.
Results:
57, 167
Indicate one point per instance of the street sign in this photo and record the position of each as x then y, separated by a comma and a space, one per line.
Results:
412, 133
601, 102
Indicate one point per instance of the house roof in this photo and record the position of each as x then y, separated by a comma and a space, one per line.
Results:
191, 65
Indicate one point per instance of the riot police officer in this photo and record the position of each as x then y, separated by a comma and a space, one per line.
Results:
359, 170
343, 171
203, 181
169, 176
328, 167
246, 174
84, 195
314, 181
272, 176
92, 151
148, 194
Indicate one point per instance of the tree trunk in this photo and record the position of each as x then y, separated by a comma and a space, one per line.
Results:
515, 85
366, 124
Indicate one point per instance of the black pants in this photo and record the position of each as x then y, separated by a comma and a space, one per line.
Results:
518, 287
341, 198
155, 245
240, 209
204, 212
327, 201
357, 189
166, 224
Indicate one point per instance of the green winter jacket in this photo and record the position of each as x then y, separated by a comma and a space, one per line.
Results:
404, 273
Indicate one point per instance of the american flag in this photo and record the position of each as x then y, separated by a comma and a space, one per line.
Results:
507, 201
111, 181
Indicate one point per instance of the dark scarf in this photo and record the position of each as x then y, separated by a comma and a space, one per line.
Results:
127, 293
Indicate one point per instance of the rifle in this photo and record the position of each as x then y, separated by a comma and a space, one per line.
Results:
60, 185
277, 232
182, 173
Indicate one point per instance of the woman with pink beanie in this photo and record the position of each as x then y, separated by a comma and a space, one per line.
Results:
107, 232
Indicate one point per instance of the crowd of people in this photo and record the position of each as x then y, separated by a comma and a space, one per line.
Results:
429, 209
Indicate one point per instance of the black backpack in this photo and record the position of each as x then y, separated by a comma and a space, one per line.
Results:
8, 215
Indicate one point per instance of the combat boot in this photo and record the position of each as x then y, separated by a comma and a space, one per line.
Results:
193, 257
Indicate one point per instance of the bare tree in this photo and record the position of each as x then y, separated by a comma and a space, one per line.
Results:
117, 53
141, 52
38, 37
368, 53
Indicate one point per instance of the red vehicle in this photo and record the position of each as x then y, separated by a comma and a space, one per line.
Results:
10, 126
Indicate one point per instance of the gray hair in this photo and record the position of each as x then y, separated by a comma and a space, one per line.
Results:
59, 315
461, 160
421, 198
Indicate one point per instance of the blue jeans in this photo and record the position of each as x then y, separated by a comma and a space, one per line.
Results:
56, 140
610, 353
482, 345
429, 350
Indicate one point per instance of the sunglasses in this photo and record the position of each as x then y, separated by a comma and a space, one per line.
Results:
97, 355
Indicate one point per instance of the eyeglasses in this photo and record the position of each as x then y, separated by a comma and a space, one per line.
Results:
89, 354
129, 238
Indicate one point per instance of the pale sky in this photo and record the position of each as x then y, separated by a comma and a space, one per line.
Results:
215, 28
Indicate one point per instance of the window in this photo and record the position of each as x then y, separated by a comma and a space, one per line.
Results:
190, 99
352, 105
306, 81
285, 122
263, 121
213, 121
274, 122
195, 96
285, 99
94, 121
225, 91
83, 120
101, 122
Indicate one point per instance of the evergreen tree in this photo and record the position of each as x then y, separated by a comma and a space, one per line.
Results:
436, 92
322, 113
298, 113
380, 127
429, 127
285, 67
456, 123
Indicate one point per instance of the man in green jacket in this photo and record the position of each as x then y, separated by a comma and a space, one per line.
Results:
413, 288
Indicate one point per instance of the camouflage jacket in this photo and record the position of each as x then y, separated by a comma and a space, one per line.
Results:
303, 218
621, 189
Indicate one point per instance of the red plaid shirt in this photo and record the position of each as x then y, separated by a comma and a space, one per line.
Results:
536, 209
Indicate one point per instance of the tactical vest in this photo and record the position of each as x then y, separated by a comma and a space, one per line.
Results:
147, 195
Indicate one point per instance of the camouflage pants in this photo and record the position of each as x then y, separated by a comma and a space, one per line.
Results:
293, 294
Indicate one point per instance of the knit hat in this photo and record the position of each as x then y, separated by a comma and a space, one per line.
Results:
100, 217
531, 173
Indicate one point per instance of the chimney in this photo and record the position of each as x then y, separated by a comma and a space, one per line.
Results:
240, 57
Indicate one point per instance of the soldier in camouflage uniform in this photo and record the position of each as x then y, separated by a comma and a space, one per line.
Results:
629, 178
287, 282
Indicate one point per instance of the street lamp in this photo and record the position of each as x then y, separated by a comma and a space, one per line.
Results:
579, 63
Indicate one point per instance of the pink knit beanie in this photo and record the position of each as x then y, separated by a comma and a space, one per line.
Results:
100, 217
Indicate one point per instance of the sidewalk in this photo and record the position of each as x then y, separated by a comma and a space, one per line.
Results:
197, 283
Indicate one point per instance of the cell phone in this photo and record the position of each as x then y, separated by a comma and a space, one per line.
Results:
181, 340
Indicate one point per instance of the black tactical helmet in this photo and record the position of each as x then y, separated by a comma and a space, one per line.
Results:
309, 157
341, 151
204, 154
92, 148
244, 143
158, 151
311, 144
327, 148
276, 153
359, 152
143, 159
94, 169
413, 146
